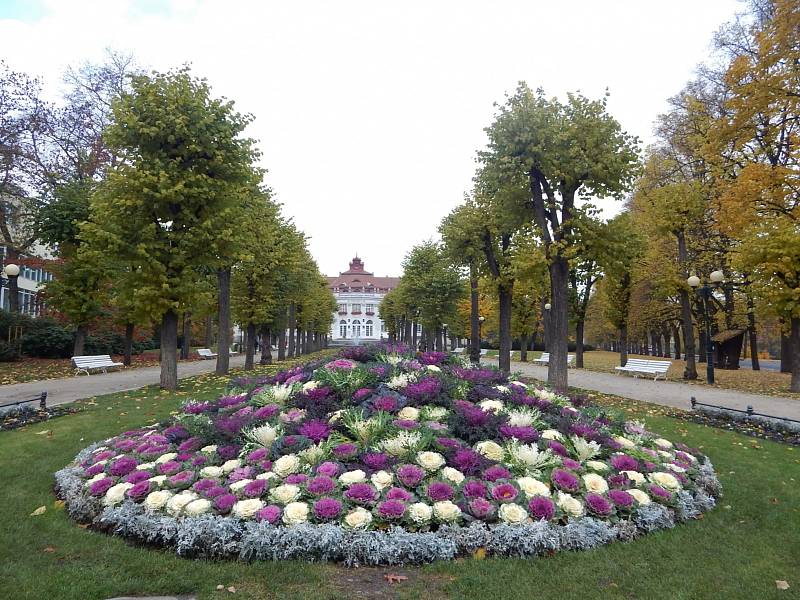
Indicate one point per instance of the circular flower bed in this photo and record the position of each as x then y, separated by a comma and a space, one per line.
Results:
385, 457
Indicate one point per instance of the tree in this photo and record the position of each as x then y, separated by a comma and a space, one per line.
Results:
759, 135
565, 151
461, 236
166, 207
435, 287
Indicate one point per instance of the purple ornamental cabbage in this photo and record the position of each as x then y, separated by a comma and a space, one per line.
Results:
598, 505
410, 475
505, 492
480, 508
391, 509
361, 493
438, 491
474, 489
320, 485
270, 514
122, 466
327, 508
496, 472
541, 508
565, 481
397, 493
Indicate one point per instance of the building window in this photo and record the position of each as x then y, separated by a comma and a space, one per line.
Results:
368, 329
343, 329
356, 328
356, 309
370, 309
343, 309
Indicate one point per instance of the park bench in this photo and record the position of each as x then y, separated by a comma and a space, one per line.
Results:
642, 366
101, 362
206, 353
544, 359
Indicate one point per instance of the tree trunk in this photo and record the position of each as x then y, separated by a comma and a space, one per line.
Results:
282, 343
209, 331
128, 345
224, 318
559, 323
795, 354
751, 331
677, 337
579, 343
623, 345
690, 372
169, 350
407, 327
701, 335
524, 341
309, 343
438, 334
250, 346
187, 335
80, 340
474, 315
505, 292
266, 346
414, 325
290, 352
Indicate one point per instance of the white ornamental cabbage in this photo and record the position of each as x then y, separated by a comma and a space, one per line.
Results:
570, 505
446, 511
430, 461
157, 500
211, 472
489, 449
178, 502
116, 494
640, 497
230, 465
420, 513
382, 479
351, 477
359, 518
295, 513
595, 483
246, 509
198, 507
667, 481
584, 448
533, 487
286, 465
284, 494
512, 513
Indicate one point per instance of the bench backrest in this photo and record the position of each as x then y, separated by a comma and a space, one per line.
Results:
544, 356
648, 364
98, 359
204, 352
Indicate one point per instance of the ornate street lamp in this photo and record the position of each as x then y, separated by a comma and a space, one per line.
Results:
12, 272
705, 293
481, 319
444, 333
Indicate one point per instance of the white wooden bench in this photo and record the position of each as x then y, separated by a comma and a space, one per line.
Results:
484, 352
206, 353
642, 366
544, 359
101, 362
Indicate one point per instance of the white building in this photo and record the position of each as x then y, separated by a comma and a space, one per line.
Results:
33, 265
358, 295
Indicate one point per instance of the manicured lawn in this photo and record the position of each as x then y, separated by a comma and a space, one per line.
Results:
738, 550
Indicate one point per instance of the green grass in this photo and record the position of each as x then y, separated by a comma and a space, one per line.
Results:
737, 551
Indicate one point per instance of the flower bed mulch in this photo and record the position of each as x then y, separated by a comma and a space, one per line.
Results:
381, 456
14, 418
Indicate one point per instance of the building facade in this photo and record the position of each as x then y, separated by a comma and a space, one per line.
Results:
33, 274
358, 295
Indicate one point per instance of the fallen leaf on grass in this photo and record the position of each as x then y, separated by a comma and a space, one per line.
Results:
232, 589
58, 504
391, 578
479, 554
49, 549
773, 501
48, 432
781, 584
39, 511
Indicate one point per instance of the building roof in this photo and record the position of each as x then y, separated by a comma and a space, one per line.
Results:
357, 279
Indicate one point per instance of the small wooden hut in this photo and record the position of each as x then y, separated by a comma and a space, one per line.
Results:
728, 348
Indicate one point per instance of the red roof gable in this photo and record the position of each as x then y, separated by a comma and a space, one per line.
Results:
356, 278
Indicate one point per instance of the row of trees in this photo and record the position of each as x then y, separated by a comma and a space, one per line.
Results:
718, 190
149, 192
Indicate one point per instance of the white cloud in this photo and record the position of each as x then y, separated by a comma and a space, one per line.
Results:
369, 114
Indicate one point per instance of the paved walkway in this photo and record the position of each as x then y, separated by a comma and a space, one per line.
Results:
78, 387
667, 393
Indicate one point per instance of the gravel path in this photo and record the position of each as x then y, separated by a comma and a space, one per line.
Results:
79, 387
667, 393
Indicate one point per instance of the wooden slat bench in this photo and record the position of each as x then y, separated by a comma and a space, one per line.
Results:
544, 359
642, 366
101, 362
205, 353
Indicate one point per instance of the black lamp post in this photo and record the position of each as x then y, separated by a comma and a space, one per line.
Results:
444, 334
12, 272
705, 292
481, 319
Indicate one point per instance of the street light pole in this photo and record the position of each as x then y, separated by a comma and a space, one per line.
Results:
705, 292
12, 272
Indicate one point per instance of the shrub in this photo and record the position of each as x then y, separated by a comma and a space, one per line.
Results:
45, 338
8, 352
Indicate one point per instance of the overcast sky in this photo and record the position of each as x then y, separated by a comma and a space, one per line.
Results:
369, 113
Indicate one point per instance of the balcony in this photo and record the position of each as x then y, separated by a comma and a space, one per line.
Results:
370, 313
356, 312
